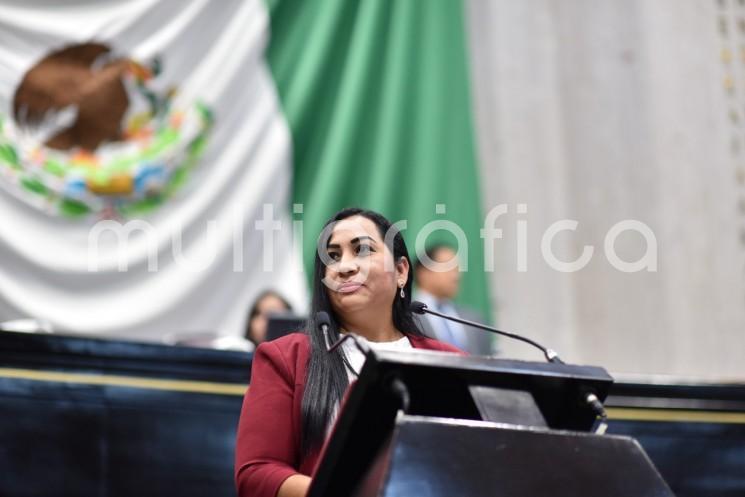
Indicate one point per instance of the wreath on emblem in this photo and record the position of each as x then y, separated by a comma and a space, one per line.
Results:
91, 133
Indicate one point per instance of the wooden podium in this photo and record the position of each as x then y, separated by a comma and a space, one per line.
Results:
429, 424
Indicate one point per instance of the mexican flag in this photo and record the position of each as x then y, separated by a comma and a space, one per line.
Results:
163, 162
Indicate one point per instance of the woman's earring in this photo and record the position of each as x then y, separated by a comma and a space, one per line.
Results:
402, 292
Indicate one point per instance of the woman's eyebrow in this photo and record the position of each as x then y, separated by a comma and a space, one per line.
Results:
355, 241
363, 237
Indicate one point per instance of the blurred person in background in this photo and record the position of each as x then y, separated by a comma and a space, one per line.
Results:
267, 303
438, 281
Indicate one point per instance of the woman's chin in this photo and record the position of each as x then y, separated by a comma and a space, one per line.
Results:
351, 302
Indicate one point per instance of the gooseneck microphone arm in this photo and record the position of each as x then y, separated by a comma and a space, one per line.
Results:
421, 308
589, 398
323, 322
350, 336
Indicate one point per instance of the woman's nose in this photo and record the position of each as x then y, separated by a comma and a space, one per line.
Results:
348, 264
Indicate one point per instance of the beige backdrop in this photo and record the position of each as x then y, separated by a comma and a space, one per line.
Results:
601, 111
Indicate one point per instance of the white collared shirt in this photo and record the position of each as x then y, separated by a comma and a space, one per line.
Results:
357, 359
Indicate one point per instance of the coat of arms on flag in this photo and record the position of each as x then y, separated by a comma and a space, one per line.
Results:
95, 132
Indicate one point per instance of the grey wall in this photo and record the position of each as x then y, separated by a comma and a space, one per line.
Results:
602, 111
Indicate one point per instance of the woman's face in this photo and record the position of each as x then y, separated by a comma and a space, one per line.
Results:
361, 275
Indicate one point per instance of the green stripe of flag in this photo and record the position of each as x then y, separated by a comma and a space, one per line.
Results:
376, 93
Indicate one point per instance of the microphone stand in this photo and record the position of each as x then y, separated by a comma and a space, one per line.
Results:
398, 387
551, 356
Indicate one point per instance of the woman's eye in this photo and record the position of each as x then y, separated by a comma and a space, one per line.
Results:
334, 256
364, 250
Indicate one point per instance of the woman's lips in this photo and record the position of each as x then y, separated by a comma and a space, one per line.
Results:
349, 287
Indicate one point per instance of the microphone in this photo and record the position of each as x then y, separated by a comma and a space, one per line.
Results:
323, 321
357, 342
588, 398
421, 308
397, 387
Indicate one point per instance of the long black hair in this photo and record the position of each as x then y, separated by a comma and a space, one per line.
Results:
326, 378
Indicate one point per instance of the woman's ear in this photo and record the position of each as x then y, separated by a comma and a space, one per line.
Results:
402, 269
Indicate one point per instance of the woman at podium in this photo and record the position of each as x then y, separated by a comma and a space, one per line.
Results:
362, 279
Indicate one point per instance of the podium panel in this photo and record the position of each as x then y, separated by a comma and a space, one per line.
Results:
431, 457
431, 425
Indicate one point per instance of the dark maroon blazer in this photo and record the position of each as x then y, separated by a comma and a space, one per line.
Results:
269, 432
